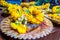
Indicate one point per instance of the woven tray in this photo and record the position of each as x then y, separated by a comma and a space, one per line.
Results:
36, 33
54, 21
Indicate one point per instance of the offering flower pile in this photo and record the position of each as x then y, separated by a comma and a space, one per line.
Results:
55, 13
25, 20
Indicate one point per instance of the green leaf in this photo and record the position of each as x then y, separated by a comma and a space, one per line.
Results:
58, 9
24, 21
27, 11
16, 22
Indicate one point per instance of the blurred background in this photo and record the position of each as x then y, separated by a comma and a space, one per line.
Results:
38, 2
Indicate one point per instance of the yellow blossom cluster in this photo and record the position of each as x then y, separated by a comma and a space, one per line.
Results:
32, 13
20, 28
56, 9
55, 13
54, 16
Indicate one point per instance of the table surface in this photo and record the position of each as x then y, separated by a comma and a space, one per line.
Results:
55, 35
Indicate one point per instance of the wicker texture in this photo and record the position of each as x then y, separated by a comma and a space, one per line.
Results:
37, 33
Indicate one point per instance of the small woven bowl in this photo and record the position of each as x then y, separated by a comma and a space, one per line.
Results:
36, 33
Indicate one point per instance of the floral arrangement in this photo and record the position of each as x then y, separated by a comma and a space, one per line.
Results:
55, 13
25, 21
22, 16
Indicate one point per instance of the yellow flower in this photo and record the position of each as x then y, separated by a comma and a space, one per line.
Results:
58, 18
31, 3
38, 12
29, 17
47, 5
15, 15
14, 26
22, 29
4, 3
31, 9
54, 16
40, 17
54, 9
34, 20
24, 8
24, 4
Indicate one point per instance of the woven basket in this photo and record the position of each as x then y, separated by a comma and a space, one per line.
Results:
54, 21
36, 33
